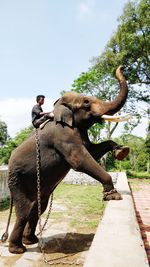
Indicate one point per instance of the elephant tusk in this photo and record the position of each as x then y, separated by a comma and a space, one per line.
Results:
117, 118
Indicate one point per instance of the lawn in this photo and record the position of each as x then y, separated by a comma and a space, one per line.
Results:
83, 206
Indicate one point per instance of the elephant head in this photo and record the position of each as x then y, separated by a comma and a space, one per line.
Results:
78, 110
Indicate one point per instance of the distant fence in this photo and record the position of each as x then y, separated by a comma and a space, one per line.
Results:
72, 177
4, 191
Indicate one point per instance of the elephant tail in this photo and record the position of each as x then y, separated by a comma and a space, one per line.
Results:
5, 235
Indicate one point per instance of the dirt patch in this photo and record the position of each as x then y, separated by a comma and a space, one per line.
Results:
64, 249
68, 249
61, 246
70, 243
68, 233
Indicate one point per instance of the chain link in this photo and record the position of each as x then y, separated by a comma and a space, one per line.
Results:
48, 214
56, 261
38, 168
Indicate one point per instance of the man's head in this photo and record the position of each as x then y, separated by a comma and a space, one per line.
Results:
40, 99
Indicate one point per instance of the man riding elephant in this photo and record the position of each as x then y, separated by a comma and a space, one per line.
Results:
64, 144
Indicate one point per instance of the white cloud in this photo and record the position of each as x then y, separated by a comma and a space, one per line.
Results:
16, 112
85, 9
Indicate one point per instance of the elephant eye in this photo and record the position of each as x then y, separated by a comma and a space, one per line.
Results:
86, 103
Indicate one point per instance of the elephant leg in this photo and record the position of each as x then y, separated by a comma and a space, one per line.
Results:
22, 208
81, 160
15, 240
29, 236
99, 150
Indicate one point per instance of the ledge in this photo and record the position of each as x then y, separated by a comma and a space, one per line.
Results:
117, 242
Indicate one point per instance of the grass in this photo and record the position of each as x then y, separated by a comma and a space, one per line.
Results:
139, 175
4, 204
83, 203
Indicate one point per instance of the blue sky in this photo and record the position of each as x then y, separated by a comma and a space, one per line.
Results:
44, 46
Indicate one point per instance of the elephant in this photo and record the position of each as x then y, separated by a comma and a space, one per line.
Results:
64, 144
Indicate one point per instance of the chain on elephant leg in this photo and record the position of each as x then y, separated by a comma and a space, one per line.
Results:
110, 193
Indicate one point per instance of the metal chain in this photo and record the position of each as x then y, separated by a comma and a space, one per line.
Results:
38, 168
56, 261
48, 214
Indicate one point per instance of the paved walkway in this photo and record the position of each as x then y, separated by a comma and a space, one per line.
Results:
141, 198
118, 237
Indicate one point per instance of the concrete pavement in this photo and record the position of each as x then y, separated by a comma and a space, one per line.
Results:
117, 242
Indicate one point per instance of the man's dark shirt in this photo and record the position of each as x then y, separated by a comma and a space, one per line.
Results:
36, 110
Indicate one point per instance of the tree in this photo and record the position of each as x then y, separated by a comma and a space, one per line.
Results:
3, 133
130, 44
137, 158
12, 143
99, 83
147, 143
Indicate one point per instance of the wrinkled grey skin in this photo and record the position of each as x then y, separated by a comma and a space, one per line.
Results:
64, 144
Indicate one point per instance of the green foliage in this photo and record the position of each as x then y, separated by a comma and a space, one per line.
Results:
3, 133
139, 175
5, 151
94, 132
130, 44
22, 135
110, 162
138, 156
12, 143
147, 142
4, 204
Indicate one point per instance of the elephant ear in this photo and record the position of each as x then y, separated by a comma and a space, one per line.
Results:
63, 114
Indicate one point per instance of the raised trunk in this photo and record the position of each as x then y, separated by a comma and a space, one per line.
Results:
112, 107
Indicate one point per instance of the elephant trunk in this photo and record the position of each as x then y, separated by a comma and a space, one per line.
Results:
112, 107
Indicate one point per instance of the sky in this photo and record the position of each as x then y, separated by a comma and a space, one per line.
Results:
44, 46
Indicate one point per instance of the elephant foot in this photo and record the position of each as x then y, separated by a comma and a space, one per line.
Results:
16, 249
28, 240
112, 195
121, 152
